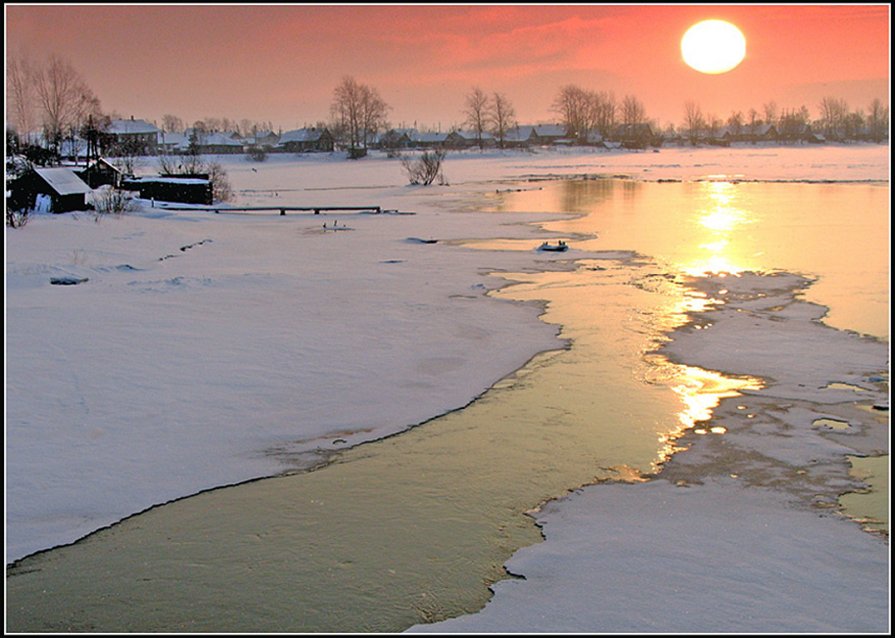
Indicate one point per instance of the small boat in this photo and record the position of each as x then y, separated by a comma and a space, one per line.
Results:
559, 247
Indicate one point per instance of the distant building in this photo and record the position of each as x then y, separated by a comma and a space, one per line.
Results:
430, 139
397, 138
467, 139
546, 134
130, 137
536, 135
264, 139
305, 140
218, 144
636, 136
172, 143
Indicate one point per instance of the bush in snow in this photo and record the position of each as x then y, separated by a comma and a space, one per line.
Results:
424, 169
256, 153
110, 200
16, 218
195, 164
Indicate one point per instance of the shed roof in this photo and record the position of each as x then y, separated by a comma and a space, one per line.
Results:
63, 180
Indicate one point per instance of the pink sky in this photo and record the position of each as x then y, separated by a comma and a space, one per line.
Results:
282, 62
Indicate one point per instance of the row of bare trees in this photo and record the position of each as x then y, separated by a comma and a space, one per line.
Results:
358, 114
493, 114
583, 112
54, 98
51, 97
836, 122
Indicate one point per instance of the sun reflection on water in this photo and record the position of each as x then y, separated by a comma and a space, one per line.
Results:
722, 218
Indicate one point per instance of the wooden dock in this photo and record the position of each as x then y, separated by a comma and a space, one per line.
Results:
316, 210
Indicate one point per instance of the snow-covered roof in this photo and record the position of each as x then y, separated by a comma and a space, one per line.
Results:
302, 135
518, 134
122, 127
430, 137
63, 180
173, 139
550, 130
472, 136
265, 136
219, 139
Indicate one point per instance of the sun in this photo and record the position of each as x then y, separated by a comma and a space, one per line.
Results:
713, 46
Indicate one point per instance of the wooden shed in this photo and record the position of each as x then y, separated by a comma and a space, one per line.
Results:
100, 173
186, 189
56, 190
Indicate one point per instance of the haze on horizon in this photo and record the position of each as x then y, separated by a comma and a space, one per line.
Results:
280, 63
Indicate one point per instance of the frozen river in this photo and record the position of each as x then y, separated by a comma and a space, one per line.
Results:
415, 527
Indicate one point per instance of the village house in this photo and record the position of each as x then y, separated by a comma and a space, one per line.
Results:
522, 136
397, 138
467, 139
172, 143
547, 134
305, 140
635, 136
430, 139
218, 144
130, 137
264, 139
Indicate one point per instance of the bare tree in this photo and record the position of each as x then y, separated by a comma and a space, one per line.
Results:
770, 113
735, 122
694, 121
172, 124
573, 104
64, 98
21, 96
603, 112
502, 117
793, 123
833, 115
476, 113
713, 125
358, 113
632, 110
753, 123
877, 120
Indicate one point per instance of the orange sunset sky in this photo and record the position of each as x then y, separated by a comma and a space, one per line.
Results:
281, 62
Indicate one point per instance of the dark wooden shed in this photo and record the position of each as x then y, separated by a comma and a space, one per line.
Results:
183, 189
56, 190
101, 173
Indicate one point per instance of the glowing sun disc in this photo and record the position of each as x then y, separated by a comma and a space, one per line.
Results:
713, 46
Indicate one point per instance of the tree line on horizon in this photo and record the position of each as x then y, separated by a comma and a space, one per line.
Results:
54, 100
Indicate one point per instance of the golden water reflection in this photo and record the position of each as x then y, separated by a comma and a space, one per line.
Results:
838, 233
